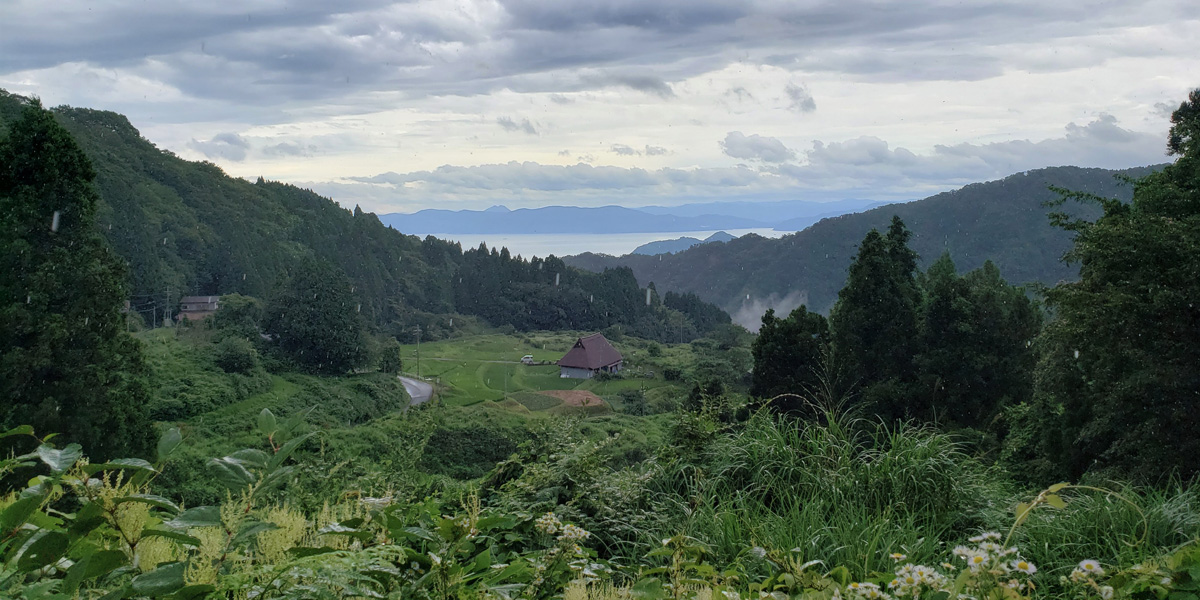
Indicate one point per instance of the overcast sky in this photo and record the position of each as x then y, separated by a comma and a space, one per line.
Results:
465, 104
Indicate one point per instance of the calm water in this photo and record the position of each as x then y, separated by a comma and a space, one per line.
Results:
564, 244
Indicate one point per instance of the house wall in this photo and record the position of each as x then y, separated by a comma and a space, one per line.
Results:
574, 373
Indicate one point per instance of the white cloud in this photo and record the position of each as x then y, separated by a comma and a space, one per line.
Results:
227, 145
755, 147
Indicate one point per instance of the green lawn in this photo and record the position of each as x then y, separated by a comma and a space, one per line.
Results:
480, 368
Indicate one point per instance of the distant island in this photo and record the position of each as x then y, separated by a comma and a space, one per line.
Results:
680, 244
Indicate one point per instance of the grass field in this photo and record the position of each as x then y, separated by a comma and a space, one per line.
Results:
487, 367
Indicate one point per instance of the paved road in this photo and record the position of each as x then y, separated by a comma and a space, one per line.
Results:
419, 390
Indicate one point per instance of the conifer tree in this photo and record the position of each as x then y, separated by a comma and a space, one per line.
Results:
787, 353
874, 323
66, 363
975, 333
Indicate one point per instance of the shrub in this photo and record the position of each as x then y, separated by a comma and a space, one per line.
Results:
235, 355
633, 402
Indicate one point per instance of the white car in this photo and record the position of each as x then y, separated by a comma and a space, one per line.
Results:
527, 359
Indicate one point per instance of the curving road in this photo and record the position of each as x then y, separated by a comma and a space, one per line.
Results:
419, 390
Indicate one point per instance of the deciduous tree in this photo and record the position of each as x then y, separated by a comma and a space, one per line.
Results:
314, 319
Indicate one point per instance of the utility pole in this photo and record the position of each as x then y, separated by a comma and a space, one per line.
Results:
167, 308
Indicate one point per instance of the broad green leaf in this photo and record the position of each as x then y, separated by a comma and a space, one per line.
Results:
19, 512
231, 473
200, 516
248, 532
166, 579
184, 539
60, 460
483, 560
296, 419
1057, 487
839, 574
266, 422
417, 532
287, 449
650, 589
151, 499
276, 478
18, 430
167, 444
193, 592
1022, 512
45, 548
303, 552
86, 519
118, 465
96, 564
1055, 501
339, 529
508, 590
252, 457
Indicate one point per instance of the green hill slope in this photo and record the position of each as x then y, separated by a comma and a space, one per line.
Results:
186, 228
1003, 221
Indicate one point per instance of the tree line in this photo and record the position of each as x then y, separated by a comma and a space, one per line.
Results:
1109, 386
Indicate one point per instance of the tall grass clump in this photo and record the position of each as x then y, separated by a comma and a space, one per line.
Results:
1130, 525
849, 492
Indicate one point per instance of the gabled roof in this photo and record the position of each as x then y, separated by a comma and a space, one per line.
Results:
591, 352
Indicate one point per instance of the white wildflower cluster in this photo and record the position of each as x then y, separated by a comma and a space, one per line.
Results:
867, 590
991, 560
989, 555
1087, 574
913, 580
548, 524
572, 533
414, 570
464, 523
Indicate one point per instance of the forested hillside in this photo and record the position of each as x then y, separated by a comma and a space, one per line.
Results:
186, 228
1002, 221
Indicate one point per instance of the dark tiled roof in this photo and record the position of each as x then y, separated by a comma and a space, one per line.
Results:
591, 352
199, 299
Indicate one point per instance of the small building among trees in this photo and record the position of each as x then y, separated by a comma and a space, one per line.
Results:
195, 308
590, 355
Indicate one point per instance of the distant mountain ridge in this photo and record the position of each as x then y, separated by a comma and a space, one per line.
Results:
781, 215
558, 219
680, 244
1002, 221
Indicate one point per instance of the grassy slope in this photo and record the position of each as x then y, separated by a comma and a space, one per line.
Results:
465, 377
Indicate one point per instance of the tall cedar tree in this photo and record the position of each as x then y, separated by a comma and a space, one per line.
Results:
315, 320
66, 363
787, 355
975, 335
874, 323
1118, 379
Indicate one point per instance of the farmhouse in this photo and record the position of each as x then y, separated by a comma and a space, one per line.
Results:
197, 307
590, 355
